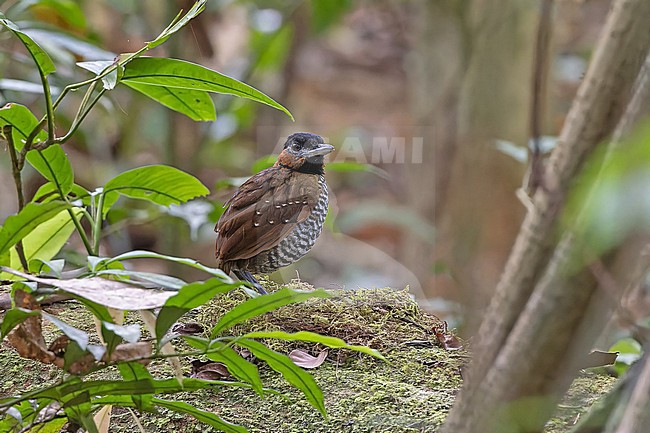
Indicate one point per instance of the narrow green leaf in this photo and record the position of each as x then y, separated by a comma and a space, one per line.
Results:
77, 335
130, 333
312, 337
237, 366
263, 304
188, 297
131, 371
42, 60
174, 73
293, 374
160, 184
13, 318
23, 122
178, 23
141, 254
195, 104
161, 280
201, 415
18, 226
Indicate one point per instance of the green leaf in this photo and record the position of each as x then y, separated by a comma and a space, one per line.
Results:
293, 374
188, 297
351, 166
161, 280
159, 184
177, 24
18, 226
54, 165
42, 60
23, 122
77, 335
131, 371
312, 337
201, 415
130, 333
179, 74
47, 239
67, 10
13, 318
629, 351
140, 254
237, 366
195, 104
262, 304
327, 12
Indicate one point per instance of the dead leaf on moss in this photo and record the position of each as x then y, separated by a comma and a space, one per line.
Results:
305, 360
187, 328
447, 340
208, 370
27, 337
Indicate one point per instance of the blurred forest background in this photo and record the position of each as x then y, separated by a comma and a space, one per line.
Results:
435, 94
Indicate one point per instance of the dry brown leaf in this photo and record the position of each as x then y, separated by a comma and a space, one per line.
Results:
113, 294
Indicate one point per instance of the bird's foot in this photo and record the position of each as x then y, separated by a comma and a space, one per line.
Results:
247, 276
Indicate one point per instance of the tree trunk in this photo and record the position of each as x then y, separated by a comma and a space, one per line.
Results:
541, 317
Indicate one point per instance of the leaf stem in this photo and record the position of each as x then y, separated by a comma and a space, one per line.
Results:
97, 227
7, 131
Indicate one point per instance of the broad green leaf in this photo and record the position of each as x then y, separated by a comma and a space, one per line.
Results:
195, 104
42, 60
13, 318
173, 73
237, 366
160, 184
52, 162
327, 12
18, 226
201, 415
140, 254
312, 337
47, 239
67, 10
178, 23
262, 304
293, 374
54, 165
23, 122
188, 297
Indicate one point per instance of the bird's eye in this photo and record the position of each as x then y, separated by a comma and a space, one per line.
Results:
296, 146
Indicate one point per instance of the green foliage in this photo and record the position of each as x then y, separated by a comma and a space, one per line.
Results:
31, 239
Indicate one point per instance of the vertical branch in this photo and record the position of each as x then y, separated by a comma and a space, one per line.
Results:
538, 93
16, 169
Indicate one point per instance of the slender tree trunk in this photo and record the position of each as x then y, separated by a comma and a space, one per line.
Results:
540, 319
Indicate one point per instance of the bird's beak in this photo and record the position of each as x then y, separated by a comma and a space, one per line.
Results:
321, 150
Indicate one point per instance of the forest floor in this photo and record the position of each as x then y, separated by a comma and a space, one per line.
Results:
412, 391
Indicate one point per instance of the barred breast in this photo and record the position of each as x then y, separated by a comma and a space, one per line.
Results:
298, 242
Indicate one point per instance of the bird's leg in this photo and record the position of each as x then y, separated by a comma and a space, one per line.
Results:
247, 276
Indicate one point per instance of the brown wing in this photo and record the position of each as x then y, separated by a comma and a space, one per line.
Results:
263, 211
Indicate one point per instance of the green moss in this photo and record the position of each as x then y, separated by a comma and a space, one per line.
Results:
412, 392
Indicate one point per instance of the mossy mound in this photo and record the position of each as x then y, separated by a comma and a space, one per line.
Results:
412, 391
